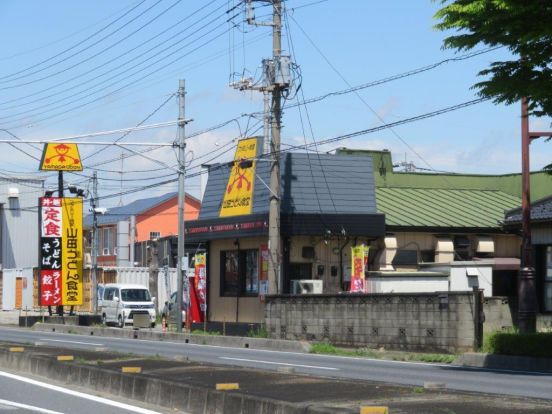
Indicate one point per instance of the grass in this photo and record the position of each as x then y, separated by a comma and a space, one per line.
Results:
202, 332
260, 332
418, 390
329, 349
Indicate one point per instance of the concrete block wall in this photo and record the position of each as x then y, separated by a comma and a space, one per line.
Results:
500, 314
439, 322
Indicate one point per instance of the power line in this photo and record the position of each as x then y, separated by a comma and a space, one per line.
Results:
104, 64
26, 52
211, 39
78, 52
386, 125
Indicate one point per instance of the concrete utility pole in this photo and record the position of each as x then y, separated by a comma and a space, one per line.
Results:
181, 200
95, 246
274, 242
154, 269
277, 78
527, 290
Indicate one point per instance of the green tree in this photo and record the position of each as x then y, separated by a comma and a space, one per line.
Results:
524, 27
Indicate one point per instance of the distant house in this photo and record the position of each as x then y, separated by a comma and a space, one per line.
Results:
447, 218
19, 221
541, 239
141, 220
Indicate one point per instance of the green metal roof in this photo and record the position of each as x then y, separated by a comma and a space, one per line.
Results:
443, 208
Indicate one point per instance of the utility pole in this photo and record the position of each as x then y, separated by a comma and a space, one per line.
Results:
59, 309
181, 201
95, 246
274, 242
527, 291
277, 78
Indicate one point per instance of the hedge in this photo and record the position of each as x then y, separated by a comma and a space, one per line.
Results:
506, 343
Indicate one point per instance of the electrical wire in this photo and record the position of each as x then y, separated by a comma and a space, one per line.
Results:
83, 29
386, 125
126, 134
78, 52
213, 38
119, 74
104, 64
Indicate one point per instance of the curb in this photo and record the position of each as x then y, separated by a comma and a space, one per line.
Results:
214, 340
182, 397
509, 362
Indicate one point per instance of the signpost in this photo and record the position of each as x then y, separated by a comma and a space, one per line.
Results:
61, 234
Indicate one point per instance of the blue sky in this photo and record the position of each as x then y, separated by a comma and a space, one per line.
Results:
335, 44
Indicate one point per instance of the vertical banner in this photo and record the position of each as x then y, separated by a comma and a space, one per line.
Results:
359, 257
61, 251
72, 252
238, 197
50, 260
198, 290
263, 275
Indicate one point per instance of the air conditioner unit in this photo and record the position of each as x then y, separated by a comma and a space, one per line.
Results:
115, 251
311, 287
105, 251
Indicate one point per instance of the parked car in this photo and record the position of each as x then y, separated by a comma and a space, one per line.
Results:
169, 310
99, 296
122, 301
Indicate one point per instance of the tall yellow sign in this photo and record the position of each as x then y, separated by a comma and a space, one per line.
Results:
72, 252
238, 195
59, 156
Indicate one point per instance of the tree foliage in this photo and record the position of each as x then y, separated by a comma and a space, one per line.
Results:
522, 26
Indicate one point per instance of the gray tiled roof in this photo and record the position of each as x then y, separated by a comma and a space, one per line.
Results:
122, 213
311, 183
541, 210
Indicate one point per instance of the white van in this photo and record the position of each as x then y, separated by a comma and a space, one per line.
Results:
122, 301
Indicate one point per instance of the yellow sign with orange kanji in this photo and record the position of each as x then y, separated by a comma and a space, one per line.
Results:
59, 156
238, 194
72, 252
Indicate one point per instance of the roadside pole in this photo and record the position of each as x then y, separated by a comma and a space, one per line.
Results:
181, 201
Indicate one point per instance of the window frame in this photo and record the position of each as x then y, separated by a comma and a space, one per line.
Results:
547, 278
243, 273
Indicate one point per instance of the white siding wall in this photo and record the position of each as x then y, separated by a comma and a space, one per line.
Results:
140, 275
19, 223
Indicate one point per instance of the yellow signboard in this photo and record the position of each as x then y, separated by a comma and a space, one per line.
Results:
59, 156
72, 252
238, 195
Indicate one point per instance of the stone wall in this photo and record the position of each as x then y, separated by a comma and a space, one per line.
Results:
437, 322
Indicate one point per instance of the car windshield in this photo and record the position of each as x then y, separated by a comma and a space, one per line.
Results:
135, 295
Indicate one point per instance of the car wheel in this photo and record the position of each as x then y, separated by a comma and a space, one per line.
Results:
120, 322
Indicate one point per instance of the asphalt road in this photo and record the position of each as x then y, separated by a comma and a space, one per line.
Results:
20, 394
525, 384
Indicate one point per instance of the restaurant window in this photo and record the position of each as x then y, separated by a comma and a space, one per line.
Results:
548, 280
239, 272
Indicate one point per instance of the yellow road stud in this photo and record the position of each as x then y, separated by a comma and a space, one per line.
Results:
228, 386
65, 358
17, 349
131, 370
374, 410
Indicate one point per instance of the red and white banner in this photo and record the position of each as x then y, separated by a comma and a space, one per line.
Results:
51, 226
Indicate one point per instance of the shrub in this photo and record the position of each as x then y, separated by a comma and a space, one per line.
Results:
510, 343
260, 332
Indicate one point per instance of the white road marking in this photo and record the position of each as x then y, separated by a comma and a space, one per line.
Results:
78, 394
28, 407
71, 342
280, 363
